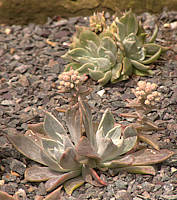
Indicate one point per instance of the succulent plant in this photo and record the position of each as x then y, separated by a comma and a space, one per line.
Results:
113, 53
146, 99
71, 159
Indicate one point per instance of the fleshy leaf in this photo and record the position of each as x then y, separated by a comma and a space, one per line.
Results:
37, 128
27, 147
149, 140
121, 162
109, 44
77, 52
151, 156
56, 181
87, 121
106, 78
90, 176
85, 68
38, 174
136, 169
152, 48
73, 65
130, 22
54, 149
107, 150
56, 194
116, 71
153, 58
73, 123
51, 163
87, 35
53, 127
73, 184
96, 75
107, 122
68, 160
126, 67
85, 149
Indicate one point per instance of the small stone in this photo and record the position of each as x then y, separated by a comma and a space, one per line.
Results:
121, 184
123, 195
18, 166
173, 170
169, 197
168, 187
2, 182
22, 69
7, 103
23, 81
101, 92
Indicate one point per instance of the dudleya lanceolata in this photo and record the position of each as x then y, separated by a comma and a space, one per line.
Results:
113, 52
71, 156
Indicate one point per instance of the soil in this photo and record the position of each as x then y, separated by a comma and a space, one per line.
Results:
30, 62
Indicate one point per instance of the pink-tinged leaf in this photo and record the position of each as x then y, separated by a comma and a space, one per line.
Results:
136, 169
37, 128
97, 178
56, 181
73, 184
87, 121
5, 196
38, 174
27, 147
150, 156
122, 162
149, 140
68, 160
55, 195
74, 124
87, 176
85, 149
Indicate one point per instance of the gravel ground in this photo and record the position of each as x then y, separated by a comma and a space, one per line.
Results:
30, 61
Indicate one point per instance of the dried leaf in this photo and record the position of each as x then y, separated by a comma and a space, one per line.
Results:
149, 140
73, 184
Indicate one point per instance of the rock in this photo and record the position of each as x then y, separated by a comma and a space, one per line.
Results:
13, 12
7, 103
17, 166
121, 185
123, 195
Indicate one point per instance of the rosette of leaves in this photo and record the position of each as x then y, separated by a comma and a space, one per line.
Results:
71, 159
116, 53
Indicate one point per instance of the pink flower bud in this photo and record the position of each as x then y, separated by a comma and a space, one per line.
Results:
147, 102
142, 85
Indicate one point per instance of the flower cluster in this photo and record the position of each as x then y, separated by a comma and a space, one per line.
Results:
146, 93
97, 22
70, 80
